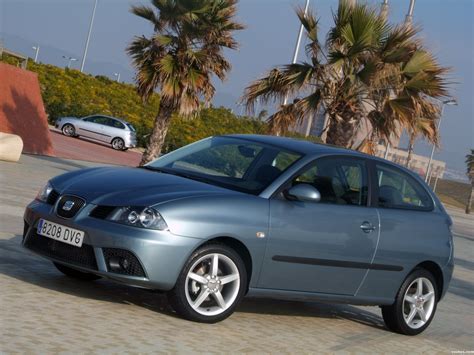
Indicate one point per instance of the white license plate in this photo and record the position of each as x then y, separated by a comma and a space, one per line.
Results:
60, 233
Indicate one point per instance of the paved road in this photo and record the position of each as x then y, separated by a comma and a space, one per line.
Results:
42, 311
88, 150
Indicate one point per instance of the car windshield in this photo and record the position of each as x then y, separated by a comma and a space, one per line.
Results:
233, 163
130, 127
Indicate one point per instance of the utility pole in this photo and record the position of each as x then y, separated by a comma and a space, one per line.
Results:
37, 49
88, 37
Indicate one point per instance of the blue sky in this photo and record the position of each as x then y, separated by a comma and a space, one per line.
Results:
60, 28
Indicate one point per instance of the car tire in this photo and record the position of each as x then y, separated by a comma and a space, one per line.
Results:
76, 274
118, 144
68, 130
207, 294
415, 305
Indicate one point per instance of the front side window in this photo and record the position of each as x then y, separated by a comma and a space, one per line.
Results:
339, 180
234, 163
399, 190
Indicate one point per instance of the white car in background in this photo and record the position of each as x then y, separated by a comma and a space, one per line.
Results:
118, 133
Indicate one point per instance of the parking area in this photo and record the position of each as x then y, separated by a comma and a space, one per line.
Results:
92, 151
42, 311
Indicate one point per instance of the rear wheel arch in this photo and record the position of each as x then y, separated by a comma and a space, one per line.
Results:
437, 273
118, 138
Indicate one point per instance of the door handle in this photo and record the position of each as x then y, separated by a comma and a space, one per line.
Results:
367, 227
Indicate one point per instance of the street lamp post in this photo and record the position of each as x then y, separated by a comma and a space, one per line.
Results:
88, 37
37, 49
69, 60
450, 102
297, 46
118, 77
409, 16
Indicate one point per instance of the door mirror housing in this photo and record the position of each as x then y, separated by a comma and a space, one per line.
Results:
303, 192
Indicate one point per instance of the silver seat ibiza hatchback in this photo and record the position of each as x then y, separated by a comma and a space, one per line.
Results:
118, 133
263, 216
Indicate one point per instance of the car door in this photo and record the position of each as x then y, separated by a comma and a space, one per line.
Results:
91, 127
326, 246
413, 230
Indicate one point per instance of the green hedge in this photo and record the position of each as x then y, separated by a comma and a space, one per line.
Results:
68, 92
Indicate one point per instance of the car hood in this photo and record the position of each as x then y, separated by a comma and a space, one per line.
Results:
131, 186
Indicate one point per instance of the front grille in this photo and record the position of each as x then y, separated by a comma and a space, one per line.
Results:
101, 212
114, 259
64, 208
83, 256
52, 197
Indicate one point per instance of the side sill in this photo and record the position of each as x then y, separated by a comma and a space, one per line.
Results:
317, 297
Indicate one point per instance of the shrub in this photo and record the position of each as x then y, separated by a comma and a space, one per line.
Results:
68, 92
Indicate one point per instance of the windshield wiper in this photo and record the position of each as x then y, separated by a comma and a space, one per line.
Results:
175, 172
189, 176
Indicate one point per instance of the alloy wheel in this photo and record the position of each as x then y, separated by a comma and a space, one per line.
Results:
118, 144
418, 302
212, 284
68, 130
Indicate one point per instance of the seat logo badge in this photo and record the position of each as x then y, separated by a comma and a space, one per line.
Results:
68, 205
260, 235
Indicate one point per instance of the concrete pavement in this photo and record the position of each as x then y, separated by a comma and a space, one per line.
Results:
42, 311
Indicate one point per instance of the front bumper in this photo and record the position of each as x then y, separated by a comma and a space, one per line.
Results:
161, 254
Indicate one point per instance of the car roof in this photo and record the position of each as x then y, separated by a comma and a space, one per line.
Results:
297, 145
313, 149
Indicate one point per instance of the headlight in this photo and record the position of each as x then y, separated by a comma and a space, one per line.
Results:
144, 217
43, 194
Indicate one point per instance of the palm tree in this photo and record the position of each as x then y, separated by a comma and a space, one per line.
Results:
367, 74
180, 58
421, 127
470, 174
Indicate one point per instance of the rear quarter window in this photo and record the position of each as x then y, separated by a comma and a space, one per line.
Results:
398, 189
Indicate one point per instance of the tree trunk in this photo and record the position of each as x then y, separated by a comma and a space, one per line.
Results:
411, 144
469, 201
340, 133
158, 135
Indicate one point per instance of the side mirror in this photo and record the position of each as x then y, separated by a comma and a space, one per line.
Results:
304, 192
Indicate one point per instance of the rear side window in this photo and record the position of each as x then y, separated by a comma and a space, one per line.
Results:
116, 124
398, 189
341, 181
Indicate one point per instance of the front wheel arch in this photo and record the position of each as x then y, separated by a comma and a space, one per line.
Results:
69, 124
239, 247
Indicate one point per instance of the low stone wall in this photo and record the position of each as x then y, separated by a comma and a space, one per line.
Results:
22, 109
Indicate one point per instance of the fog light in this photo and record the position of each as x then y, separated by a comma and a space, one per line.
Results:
117, 263
114, 264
